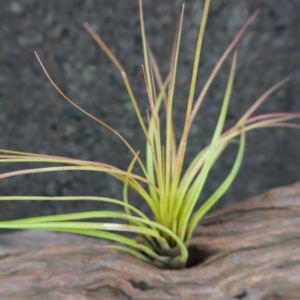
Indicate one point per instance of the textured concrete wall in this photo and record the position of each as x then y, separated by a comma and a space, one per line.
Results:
35, 118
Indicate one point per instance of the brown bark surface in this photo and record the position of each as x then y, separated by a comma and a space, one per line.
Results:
250, 251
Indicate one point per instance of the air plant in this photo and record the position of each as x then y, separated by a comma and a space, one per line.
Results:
172, 192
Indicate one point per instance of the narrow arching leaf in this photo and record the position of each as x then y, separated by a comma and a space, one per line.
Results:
145, 52
129, 90
193, 170
165, 202
71, 198
219, 64
125, 189
196, 188
89, 168
149, 158
91, 116
182, 145
260, 100
82, 225
219, 192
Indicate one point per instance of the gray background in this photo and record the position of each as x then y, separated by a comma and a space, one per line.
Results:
35, 118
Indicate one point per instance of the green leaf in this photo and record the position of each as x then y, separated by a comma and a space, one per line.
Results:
72, 198
195, 190
83, 225
149, 158
219, 192
182, 145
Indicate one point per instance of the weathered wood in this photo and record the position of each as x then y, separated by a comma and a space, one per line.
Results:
249, 251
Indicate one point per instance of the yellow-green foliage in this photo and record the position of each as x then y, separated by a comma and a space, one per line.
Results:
172, 194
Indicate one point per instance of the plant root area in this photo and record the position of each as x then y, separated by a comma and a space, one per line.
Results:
250, 251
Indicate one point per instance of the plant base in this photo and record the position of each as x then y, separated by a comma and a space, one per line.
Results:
248, 251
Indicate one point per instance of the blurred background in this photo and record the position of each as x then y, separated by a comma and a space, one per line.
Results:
35, 118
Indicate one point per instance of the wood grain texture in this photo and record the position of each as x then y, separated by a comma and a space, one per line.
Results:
250, 251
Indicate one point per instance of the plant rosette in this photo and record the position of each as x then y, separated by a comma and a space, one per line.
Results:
172, 192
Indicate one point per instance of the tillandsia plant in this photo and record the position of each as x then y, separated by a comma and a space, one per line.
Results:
172, 192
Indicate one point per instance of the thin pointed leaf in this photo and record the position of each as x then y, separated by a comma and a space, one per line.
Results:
261, 99
73, 198
149, 158
219, 64
110, 236
193, 170
219, 192
165, 202
88, 114
125, 189
145, 53
73, 216
83, 225
128, 87
182, 145
75, 168
196, 188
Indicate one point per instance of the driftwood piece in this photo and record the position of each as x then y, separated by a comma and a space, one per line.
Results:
250, 251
